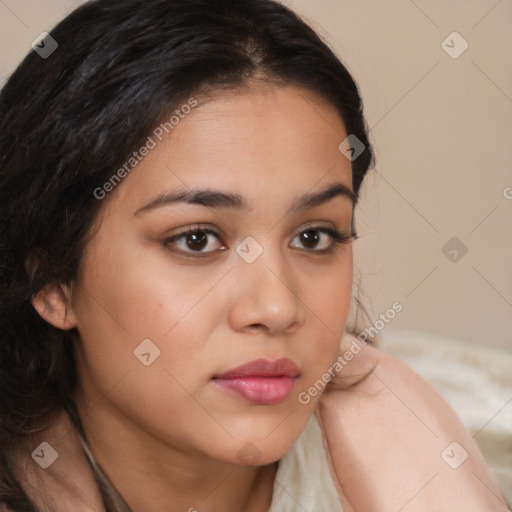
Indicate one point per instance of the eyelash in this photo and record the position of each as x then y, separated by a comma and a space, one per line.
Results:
337, 237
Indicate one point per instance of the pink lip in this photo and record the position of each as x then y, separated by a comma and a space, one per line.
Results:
261, 381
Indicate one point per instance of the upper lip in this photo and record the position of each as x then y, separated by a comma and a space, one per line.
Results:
262, 368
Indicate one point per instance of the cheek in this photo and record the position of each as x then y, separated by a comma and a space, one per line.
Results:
144, 330
327, 300
141, 315
141, 293
326, 291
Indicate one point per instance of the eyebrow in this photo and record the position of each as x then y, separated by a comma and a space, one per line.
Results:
217, 199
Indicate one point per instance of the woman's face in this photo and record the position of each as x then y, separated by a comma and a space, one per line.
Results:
162, 315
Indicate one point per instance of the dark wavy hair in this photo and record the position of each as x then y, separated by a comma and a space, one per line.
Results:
69, 121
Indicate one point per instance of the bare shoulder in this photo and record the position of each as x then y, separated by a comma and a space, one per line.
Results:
394, 440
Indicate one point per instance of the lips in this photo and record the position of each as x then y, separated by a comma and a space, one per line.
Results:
263, 368
261, 382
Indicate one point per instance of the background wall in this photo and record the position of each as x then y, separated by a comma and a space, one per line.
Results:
435, 218
442, 129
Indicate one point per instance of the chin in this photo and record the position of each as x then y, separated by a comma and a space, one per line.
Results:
262, 441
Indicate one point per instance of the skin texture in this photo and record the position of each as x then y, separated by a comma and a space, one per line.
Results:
167, 428
165, 435
386, 435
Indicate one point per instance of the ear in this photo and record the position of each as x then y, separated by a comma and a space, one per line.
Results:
53, 303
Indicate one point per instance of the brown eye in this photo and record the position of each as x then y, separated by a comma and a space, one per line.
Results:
310, 238
320, 240
195, 241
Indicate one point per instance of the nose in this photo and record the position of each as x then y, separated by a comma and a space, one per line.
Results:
265, 297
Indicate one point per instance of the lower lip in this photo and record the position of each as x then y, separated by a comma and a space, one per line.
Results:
259, 390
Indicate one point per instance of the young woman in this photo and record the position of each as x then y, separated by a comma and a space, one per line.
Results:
178, 189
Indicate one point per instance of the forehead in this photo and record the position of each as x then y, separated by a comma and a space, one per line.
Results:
260, 120
257, 141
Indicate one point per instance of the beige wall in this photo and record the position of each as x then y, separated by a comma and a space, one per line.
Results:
442, 130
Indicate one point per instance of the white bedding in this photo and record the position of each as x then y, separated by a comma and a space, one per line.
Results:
475, 380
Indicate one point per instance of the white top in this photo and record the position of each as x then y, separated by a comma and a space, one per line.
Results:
303, 480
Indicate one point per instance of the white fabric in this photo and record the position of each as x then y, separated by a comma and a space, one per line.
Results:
303, 480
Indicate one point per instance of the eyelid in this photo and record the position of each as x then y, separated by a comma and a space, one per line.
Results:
192, 228
350, 233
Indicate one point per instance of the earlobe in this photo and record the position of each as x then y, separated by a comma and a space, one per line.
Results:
54, 305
